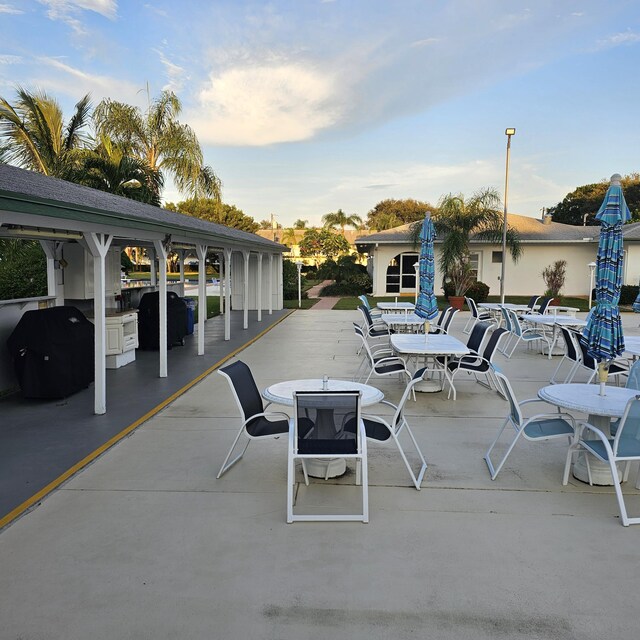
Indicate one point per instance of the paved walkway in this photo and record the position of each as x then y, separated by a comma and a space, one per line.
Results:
146, 543
323, 303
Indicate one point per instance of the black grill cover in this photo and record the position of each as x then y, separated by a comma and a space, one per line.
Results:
149, 320
52, 352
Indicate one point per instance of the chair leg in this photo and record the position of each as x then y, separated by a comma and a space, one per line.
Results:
626, 521
225, 467
417, 480
487, 456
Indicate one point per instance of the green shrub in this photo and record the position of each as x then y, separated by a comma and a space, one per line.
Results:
628, 294
290, 281
354, 285
479, 291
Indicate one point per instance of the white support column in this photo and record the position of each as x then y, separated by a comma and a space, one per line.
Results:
98, 244
227, 294
201, 252
259, 287
222, 278
181, 254
245, 290
270, 283
49, 248
162, 254
153, 279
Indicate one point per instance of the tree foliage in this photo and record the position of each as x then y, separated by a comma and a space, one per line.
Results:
581, 205
323, 242
340, 219
159, 139
215, 211
23, 269
33, 134
388, 214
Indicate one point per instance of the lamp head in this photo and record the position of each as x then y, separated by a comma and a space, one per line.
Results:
510, 132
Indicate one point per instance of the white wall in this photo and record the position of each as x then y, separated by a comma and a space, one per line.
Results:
523, 277
237, 281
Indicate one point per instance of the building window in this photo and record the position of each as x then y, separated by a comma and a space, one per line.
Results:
401, 273
474, 265
496, 257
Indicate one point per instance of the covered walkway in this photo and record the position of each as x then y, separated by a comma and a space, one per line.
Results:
44, 442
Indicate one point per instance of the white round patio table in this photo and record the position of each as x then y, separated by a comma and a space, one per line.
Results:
586, 398
282, 393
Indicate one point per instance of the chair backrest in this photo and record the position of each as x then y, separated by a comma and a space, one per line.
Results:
532, 302
438, 323
626, 442
477, 336
449, 313
492, 343
320, 419
515, 415
367, 347
244, 388
544, 303
473, 307
367, 315
586, 358
365, 301
506, 316
571, 342
633, 380
516, 327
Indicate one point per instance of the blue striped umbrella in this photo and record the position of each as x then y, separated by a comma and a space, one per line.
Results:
603, 333
427, 305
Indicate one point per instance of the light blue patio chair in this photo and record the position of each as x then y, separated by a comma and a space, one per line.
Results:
373, 311
633, 382
623, 447
508, 326
524, 335
538, 428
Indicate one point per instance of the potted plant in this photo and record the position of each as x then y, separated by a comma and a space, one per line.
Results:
459, 280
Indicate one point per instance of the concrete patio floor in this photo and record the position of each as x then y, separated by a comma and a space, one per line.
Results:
146, 543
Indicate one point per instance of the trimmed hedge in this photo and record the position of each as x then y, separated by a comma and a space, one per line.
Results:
479, 291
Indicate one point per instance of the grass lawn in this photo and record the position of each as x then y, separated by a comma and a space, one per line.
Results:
213, 307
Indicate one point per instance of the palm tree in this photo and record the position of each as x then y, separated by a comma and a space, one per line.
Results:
341, 219
300, 224
457, 221
160, 140
107, 168
33, 134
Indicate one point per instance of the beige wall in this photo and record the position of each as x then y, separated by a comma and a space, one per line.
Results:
525, 276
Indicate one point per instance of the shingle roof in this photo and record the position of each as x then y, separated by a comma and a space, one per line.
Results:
82, 203
529, 229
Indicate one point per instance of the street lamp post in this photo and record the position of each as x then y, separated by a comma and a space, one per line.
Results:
299, 267
508, 132
416, 266
592, 268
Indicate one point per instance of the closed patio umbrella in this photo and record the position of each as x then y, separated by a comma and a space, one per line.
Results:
427, 305
603, 333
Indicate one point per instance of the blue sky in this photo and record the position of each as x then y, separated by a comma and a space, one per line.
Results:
307, 106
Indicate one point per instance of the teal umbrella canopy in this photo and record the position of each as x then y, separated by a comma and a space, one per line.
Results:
427, 305
603, 333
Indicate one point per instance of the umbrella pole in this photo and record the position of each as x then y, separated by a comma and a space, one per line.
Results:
603, 373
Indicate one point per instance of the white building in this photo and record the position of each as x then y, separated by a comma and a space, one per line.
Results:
392, 257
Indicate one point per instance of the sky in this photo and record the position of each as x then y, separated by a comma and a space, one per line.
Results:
304, 107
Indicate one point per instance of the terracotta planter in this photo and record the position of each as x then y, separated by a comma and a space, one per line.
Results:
456, 302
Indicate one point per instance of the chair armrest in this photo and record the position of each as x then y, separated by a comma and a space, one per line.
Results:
264, 414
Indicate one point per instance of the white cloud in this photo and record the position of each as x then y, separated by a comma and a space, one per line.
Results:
262, 105
175, 73
156, 10
10, 9
70, 81
9, 59
68, 11
618, 39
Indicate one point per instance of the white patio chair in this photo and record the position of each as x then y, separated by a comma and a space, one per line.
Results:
377, 351
538, 428
385, 366
373, 311
444, 321
381, 430
623, 447
255, 421
476, 316
318, 433
524, 335
572, 355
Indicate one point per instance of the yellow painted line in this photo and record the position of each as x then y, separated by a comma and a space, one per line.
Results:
20, 509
